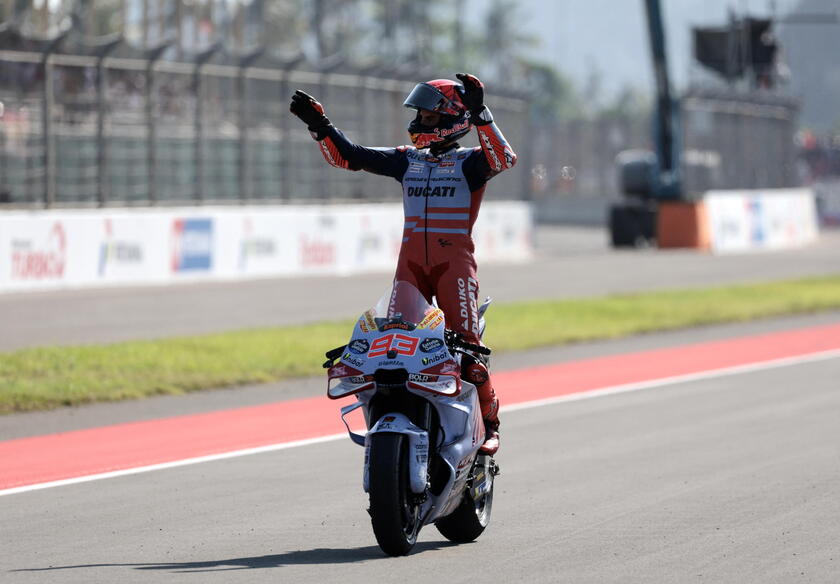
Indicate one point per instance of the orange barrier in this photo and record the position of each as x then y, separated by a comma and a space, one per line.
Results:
683, 224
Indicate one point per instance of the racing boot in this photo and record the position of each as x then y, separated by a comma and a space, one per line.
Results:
477, 374
491, 438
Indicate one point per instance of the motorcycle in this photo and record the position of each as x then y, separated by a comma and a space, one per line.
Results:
422, 462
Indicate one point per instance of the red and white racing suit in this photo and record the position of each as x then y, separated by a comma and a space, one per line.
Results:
441, 198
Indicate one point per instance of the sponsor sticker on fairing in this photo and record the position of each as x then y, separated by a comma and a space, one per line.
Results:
366, 322
397, 325
391, 363
437, 358
359, 346
431, 345
432, 320
422, 378
400, 344
355, 361
422, 453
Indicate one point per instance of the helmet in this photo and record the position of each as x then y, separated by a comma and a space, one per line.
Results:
443, 97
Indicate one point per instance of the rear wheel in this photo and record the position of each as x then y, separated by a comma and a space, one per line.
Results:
394, 509
470, 518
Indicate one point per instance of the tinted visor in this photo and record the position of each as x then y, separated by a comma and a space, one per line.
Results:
426, 97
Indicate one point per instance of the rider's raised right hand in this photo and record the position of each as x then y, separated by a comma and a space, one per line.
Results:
309, 111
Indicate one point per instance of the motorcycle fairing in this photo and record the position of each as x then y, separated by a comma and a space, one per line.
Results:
403, 331
338, 387
460, 417
356, 438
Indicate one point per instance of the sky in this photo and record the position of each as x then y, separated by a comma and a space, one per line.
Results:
611, 35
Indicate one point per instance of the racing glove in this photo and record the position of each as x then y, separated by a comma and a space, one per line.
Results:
474, 99
311, 113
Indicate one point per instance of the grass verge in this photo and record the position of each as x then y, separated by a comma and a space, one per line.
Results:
49, 377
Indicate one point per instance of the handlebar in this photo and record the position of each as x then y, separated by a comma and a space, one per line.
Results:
332, 355
454, 340
481, 350
335, 353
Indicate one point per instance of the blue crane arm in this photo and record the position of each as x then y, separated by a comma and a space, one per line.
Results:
667, 150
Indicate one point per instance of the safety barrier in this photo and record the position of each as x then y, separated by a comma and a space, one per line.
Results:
740, 221
104, 247
828, 203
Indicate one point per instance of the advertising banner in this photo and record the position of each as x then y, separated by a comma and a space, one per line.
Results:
124, 252
35, 252
761, 220
499, 233
111, 247
191, 241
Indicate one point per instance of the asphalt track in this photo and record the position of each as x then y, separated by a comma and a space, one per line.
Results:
570, 262
730, 477
724, 478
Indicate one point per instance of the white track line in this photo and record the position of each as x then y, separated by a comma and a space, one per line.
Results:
595, 393
173, 464
654, 383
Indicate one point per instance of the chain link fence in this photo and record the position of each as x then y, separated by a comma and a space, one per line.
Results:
106, 129
577, 158
82, 130
738, 141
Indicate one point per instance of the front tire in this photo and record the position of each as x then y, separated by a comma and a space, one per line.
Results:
394, 513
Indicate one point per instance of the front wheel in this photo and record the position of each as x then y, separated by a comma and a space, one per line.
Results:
394, 509
471, 517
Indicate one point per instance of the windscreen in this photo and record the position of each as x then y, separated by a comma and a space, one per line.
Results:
402, 302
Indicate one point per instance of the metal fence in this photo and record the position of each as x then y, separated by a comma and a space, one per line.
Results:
577, 158
105, 129
82, 130
727, 140
738, 141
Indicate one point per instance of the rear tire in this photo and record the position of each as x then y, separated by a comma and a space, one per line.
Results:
469, 520
394, 514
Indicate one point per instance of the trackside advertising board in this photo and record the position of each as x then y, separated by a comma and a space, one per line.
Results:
828, 203
112, 247
757, 220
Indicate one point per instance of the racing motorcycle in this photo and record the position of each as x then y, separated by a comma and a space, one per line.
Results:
422, 461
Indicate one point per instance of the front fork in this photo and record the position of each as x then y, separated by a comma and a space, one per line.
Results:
420, 418
418, 449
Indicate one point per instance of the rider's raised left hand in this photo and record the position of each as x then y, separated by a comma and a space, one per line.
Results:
473, 91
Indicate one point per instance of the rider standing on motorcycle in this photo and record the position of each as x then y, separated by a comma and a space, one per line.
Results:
443, 185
